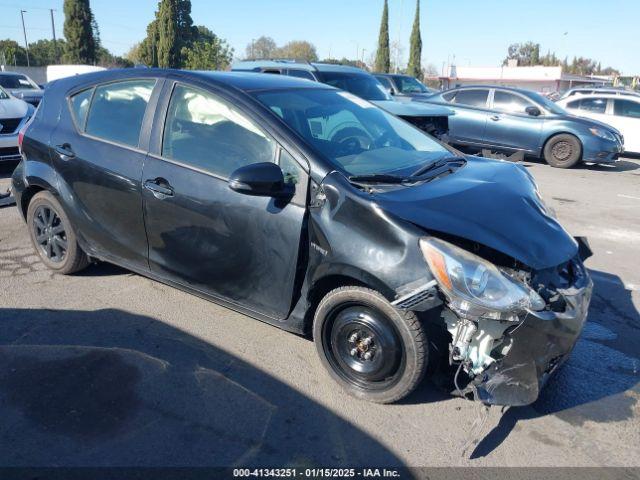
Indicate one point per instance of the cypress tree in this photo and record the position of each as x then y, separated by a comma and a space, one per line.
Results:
415, 67
383, 62
168, 35
78, 32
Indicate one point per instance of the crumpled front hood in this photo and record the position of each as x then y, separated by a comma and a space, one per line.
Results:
490, 202
404, 109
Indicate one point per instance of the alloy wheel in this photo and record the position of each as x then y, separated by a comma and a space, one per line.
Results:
50, 233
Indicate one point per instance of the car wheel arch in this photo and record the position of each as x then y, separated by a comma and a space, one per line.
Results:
349, 276
550, 136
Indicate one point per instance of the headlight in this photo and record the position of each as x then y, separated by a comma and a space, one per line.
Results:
474, 286
602, 133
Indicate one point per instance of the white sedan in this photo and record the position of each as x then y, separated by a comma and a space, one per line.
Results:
14, 113
621, 112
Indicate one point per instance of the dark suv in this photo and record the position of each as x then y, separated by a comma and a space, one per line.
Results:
309, 209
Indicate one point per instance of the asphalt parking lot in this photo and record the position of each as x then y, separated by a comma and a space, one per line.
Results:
110, 368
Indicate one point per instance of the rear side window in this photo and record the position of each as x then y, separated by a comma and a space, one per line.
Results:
301, 74
472, 98
574, 104
626, 108
80, 107
117, 111
595, 105
202, 131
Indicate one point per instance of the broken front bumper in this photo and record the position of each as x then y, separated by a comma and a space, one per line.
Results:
539, 345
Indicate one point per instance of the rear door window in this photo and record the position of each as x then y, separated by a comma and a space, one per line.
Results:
204, 132
117, 111
472, 98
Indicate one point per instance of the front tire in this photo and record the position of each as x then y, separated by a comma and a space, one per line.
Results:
373, 350
563, 151
53, 236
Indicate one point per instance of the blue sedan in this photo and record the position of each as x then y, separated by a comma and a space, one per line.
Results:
515, 120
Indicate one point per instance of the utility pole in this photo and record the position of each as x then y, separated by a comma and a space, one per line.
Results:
55, 42
24, 31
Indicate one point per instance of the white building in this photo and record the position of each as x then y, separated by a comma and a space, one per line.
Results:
540, 79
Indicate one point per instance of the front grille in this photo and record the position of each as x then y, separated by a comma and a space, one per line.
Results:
9, 125
9, 153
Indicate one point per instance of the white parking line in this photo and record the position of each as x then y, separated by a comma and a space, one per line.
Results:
622, 195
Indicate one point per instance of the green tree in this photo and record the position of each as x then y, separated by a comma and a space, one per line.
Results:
78, 32
348, 62
527, 54
263, 47
148, 51
383, 62
11, 53
207, 52
46, 52
168, 36
298, 50
415, 50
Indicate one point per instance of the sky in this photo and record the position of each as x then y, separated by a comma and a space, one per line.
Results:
462, 32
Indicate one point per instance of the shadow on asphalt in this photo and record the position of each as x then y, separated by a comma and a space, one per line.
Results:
110, 388
604, 364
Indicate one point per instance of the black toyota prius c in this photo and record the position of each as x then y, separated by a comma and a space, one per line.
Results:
313, 210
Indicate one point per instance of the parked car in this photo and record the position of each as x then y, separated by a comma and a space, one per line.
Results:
516, 120
229, 185
601, 91
403, 87
433, 120
14, 114
21, 86
621, 112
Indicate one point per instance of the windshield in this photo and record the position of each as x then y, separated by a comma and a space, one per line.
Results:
360, 84
547, 104
16, 82
355, 136
412, 85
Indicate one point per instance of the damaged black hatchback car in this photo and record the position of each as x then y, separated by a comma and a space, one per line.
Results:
313, 210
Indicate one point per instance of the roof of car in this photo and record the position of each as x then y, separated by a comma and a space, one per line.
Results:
613, 96
11, 74
245, 81
300, 65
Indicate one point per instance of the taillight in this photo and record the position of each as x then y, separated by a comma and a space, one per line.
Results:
21, 133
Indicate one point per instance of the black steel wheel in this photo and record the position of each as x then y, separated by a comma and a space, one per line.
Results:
371, 349
53, 236
563, 151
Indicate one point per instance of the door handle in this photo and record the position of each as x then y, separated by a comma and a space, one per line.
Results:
64, 151
159, 187
495, 118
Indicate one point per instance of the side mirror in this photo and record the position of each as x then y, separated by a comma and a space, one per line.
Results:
261, 179
533, 111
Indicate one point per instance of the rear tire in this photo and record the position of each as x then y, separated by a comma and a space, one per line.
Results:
563, 151
371, 349
53, 236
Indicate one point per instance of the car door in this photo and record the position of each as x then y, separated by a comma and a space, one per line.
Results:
509, 126
238, 248
98, 154
468, 124
626, 118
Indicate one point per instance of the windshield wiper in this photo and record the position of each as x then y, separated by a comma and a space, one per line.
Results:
450, 162
378, 178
